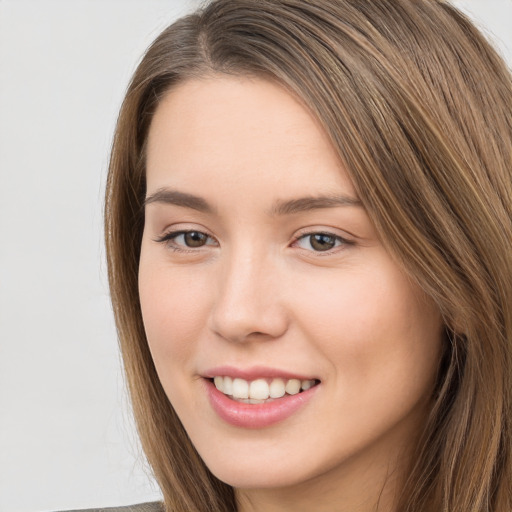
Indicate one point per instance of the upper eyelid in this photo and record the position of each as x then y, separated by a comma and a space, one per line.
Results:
343, 240
172, 234
183, 227
301, 234
318, 232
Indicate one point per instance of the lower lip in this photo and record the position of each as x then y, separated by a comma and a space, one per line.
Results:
256, 416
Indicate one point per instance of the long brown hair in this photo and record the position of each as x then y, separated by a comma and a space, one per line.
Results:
419, 108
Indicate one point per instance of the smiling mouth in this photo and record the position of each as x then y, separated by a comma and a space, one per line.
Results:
262, 390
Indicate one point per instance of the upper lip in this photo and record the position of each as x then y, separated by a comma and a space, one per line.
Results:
254, 372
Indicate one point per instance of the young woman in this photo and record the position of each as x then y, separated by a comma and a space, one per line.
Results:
308, 226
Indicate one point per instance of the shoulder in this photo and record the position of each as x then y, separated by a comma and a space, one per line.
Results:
155, 506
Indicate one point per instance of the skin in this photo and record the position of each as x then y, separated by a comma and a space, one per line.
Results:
258, 293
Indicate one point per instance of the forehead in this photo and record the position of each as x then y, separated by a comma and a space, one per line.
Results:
240, 131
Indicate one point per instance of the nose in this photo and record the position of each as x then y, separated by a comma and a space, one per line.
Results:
248, 305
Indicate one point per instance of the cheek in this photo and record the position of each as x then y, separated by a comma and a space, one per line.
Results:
374, 326
382, 342
174, 307
350, 309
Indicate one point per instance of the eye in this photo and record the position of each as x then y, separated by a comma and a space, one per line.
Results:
320, 242
183, 240
192, 238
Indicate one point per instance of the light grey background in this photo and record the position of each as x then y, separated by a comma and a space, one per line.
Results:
66, 435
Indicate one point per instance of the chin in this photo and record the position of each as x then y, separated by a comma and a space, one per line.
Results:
258, 477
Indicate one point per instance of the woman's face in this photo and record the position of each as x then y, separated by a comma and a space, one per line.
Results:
261, 270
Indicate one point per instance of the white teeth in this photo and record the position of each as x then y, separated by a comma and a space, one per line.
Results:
293, 386
306, 384
277, 388
240, 388
260, 390
219, 383
228, 386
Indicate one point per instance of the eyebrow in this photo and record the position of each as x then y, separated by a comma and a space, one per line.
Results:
303, 204
177, 198
279, 208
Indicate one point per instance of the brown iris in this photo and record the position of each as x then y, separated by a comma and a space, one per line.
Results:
194, 239
321, 242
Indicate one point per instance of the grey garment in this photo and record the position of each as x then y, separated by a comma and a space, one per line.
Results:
155, 506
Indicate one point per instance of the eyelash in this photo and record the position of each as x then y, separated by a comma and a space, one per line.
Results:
170, 237
339, 240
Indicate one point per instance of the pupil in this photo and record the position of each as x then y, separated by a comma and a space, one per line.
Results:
195, 239
321, 242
